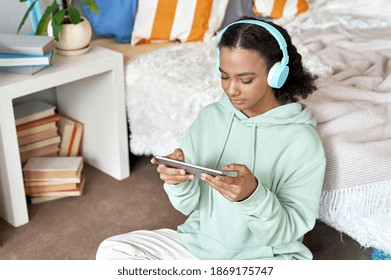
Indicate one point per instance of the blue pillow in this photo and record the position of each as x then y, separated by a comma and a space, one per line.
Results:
115, 19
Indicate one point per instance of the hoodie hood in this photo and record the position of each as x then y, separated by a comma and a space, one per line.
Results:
285, 114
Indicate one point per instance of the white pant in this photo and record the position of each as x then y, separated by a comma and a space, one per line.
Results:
161, 244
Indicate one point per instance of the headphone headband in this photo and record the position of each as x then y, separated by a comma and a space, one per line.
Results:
277, 77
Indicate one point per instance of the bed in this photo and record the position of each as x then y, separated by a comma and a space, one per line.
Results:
348, 45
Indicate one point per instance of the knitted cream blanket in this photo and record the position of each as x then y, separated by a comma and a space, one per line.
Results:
353, 109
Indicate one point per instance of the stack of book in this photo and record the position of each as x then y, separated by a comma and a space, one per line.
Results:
43, 132
36, 128
51, 178
25, 54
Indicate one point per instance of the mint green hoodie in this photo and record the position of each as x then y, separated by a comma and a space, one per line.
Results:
283, 150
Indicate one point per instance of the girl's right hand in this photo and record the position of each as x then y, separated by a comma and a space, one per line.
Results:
172, 175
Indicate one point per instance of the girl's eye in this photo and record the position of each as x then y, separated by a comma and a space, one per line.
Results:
224, 78
246, 82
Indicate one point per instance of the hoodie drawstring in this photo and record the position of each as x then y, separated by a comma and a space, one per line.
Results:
218, 161
253, 140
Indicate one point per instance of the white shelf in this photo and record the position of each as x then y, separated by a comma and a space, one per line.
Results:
89, 88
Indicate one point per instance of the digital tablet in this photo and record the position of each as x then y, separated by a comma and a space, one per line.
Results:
189, 168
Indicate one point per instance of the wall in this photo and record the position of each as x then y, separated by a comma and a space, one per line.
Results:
11, 14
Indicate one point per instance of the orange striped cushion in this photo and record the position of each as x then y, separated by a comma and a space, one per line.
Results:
280, 8
182, 20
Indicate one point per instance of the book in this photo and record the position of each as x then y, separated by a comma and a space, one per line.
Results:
40, 144
74, 148
39, 136
78, 191
9, 60
41, 199
23, 70
51, 182
32, 110
53, 167
37, 126
25, 44
42, 186
65, 129
71, 132
36, 129
37, 190
68, 189
51, 150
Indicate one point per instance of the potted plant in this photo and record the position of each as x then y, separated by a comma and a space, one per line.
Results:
71, 31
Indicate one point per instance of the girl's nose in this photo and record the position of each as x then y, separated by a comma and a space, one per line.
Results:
233, 89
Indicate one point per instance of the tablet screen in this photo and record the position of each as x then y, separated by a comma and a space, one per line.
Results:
189, 168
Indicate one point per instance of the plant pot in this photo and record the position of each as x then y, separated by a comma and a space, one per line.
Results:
74, 39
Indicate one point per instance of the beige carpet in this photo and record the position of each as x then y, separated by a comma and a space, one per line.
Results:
73, 227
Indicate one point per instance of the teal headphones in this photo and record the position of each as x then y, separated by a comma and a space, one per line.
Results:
279, 72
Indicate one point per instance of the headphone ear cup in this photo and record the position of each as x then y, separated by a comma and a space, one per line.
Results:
277, 75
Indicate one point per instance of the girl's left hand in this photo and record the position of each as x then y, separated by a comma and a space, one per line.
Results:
235, 188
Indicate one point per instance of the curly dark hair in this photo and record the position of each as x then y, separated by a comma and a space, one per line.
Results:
300, 82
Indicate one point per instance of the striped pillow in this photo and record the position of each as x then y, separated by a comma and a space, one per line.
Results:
182, 20
280, 8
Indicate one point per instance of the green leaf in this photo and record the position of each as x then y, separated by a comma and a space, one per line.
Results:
49, 12
52, 8
43, 25
91, 5
74, 16
56, 30
21, 1
25, 15
59, 16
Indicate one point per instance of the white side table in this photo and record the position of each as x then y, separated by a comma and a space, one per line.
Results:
89, 88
